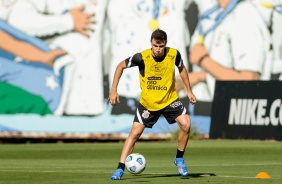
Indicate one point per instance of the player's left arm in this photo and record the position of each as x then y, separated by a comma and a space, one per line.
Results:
185, 78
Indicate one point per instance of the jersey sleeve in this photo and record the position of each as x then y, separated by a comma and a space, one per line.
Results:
135, 60
178, 60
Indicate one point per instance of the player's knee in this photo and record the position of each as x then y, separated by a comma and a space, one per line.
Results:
187, 126
135, 135
184, 123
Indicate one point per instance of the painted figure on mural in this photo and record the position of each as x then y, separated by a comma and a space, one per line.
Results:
30, 67
32, 72
75, 26
227, 45
275, 26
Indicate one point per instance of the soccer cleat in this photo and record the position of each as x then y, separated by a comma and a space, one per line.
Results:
182, 169
117, 175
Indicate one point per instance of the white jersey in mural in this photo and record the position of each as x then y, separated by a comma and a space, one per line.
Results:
237, 42
275, 22
50, 19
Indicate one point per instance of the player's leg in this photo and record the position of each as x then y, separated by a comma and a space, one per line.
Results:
176, 112
136, 131
184, 124
143, 118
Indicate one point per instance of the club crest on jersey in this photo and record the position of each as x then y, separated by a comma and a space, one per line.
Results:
145, 114
157, 69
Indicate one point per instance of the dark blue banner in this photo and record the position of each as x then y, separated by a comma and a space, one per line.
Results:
247, 110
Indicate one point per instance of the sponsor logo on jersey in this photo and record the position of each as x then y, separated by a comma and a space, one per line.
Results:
152, 84
159, 87
154, 78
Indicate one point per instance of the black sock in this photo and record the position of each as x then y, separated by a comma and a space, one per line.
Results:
121, 166
179, 154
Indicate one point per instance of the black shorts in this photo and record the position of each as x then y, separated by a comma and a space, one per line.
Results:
170, 112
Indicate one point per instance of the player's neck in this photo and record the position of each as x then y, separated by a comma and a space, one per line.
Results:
160, 56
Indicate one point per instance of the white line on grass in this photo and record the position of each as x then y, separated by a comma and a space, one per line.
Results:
228, 165
244, 177
42, 171
92, 172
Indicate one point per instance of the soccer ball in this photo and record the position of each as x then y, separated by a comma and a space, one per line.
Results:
135, 163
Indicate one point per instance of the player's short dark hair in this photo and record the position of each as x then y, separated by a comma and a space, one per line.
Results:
159, 35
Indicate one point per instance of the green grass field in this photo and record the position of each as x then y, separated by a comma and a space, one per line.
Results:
209, 161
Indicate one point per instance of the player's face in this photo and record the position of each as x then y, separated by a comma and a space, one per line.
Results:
158, 47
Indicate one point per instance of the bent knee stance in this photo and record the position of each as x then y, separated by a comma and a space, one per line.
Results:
136, 131
186, 127
135, 135
184, 123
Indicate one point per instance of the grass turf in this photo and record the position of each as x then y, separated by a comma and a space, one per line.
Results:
211, 161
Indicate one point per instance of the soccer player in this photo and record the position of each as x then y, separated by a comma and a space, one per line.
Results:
141, 17
158, 96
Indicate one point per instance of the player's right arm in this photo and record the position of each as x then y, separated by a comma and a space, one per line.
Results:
113, 97
135, 60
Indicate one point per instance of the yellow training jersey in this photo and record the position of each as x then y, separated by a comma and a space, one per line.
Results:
158, 81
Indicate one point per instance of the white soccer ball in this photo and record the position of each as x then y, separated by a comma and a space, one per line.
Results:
135, 163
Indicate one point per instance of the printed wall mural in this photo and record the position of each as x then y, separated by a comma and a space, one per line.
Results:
58, 57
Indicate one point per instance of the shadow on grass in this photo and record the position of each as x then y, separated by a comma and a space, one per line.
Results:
192, 175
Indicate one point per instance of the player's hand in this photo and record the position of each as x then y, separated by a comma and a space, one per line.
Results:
192, 98
196, 53
113, 98
82, 20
